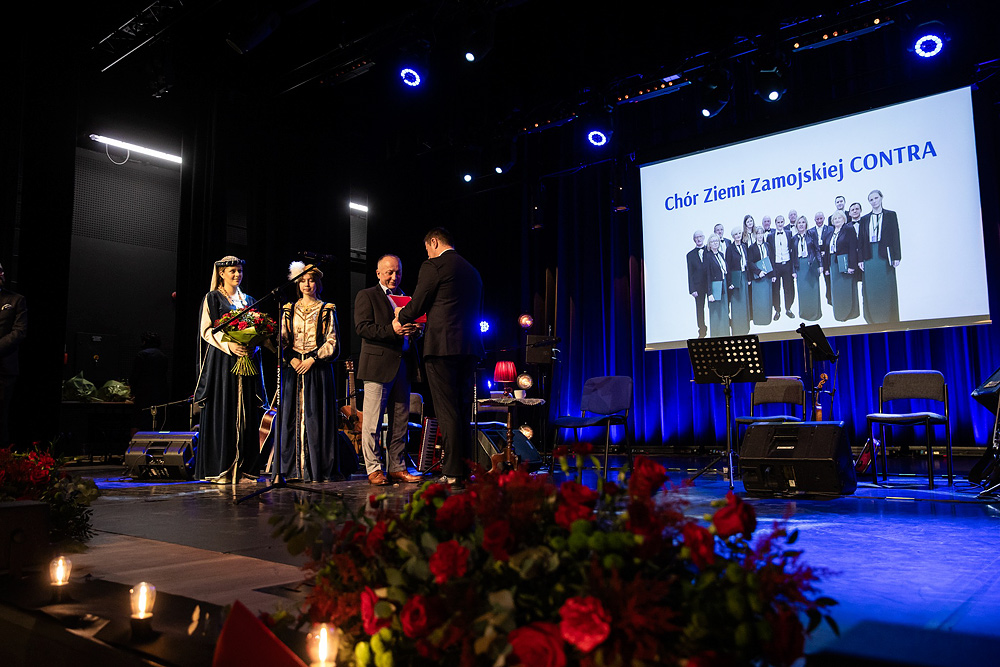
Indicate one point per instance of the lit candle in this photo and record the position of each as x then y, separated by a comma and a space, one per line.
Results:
59, 571
142, 597
324, 643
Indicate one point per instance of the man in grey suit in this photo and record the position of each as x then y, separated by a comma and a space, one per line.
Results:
450, 292
13, 329
388, 360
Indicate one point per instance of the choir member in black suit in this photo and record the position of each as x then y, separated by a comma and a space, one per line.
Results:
780, 245
698, 279
760, 284
718, 288
724, 243
807, 267
880, 255
765, 223
843, 259
738, 261
822, 233
450, 292
748, 226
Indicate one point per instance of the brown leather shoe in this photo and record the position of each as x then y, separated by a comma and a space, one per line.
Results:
405, 477
377, 478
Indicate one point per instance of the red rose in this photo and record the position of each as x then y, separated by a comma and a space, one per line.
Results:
735, 518
450, 559
371, 622
700, 542
575, 493
585, 623
375, 537
419, 616
787, 638
456, 514
538, 645
495, 539
647, 478
561, 452
583, 448
432, 491
566, 514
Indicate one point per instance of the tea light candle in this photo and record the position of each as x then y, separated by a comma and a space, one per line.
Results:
324, 643
142, 596
59, 571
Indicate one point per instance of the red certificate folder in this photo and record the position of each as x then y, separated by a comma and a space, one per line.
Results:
401, 301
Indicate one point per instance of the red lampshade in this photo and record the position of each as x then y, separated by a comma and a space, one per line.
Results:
505, 371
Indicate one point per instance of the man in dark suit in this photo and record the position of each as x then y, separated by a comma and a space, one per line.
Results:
698, 279
822, 233
450, 292
779, 244
879, 255
13, 328
388, 360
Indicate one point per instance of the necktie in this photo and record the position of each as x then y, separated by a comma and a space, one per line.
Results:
878, 219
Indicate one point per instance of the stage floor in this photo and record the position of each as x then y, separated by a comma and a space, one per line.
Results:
905, 554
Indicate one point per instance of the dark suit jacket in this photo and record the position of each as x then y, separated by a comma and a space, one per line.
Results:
697, 278
888, 236
847, 244
381, 347
771, 245
714, 270
734, 260
823, 243
450, 291
754, 255
13, 329
812, 252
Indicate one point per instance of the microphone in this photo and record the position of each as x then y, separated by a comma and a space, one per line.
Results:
319, 257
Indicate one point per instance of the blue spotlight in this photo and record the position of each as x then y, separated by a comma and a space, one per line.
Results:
467, 178
410, 77
597, 137
928, 46
470, 56
484, 326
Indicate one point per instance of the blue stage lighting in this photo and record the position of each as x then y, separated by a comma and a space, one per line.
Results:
470, 56
410, 77
597, 137
467, 178
484, 326
928, 46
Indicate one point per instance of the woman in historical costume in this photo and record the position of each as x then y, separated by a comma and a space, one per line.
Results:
228, 439
843, 262
760, 289
739, 298
718, 288
806, 265
311, 342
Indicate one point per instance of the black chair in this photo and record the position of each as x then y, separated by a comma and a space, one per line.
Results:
902, 385
785, 389
608, 399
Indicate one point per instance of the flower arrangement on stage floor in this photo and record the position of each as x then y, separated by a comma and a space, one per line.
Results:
38, 476
519, 571
252, 329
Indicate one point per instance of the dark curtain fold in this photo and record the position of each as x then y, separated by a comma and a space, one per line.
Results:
599, 316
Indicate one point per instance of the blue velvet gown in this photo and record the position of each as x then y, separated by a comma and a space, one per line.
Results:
309, 446
232, 405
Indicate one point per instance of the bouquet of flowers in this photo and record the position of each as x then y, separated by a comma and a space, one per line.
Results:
252, 329
37, 476
518, 571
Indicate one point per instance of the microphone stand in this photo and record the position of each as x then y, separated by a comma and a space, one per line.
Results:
278, 480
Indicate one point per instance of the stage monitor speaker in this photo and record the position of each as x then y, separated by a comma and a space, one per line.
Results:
161, 455
493, 440
797, 459
542, 354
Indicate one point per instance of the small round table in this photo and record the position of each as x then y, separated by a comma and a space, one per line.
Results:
508, 458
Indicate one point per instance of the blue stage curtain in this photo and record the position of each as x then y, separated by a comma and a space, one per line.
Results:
599, 317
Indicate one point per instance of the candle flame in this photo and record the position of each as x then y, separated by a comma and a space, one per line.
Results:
324, 648
142, 601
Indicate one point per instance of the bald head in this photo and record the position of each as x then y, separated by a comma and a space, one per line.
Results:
389, 271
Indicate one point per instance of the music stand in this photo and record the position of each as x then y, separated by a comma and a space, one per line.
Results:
725, 361
816, 347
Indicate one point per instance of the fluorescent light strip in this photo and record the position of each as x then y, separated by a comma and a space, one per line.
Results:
358, 207
136, 149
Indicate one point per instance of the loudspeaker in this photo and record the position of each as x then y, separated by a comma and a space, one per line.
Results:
161, 455
797, 458
538, 355
493, 440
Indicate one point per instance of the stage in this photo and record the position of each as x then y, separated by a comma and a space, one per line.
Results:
925, 561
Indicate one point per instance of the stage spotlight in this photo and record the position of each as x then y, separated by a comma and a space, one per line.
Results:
929, 39
769, 78
597, 128
716, 89
410, 77
525, 321
480, 41
484, 326
501, 156
467, 178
